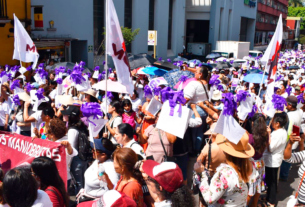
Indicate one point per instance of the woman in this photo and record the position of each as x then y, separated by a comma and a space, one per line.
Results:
296, 157
273, 156
153, 137
283, 92
94, 186
195, 92
2, 201
228, 186
124, 160
78, 166
20, 189
114, 109
165, 193
129, 116
45, 172
57, 133
135, 100
90, 96
259, 141
25, 128
46, 116
4, 110
124, 136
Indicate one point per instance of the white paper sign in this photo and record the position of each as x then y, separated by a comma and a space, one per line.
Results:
84, 86
154, 106
152, 37
94, 130
157, 82
245, 108
176, 124
230, 128
22, 70
95, 74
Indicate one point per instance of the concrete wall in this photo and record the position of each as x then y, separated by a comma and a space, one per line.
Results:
71, 17
225, 25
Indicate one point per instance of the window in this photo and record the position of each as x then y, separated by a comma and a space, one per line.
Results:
98, 21
128, 19
170, 24
3, 9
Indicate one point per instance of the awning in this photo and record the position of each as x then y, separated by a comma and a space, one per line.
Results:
294, 18
48, 45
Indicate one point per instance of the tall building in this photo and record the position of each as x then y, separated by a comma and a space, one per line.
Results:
268, 12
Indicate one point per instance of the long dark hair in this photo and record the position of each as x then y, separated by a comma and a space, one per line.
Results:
181, 197
125, 128
128, 103
206, 75
242, 166
117, 106
46, 170
19, 188
75, 122
259, 133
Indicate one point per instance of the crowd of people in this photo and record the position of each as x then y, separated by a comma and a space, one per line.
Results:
131, 162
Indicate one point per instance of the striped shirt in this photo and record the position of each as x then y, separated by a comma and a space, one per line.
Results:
299, 157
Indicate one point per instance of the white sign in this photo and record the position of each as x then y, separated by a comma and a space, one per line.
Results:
152, 37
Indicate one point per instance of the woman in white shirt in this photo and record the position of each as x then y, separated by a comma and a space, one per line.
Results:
114, 109
273, 156
4, 113
195, 92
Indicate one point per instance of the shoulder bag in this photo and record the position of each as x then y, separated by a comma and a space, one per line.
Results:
293, 200
166, 157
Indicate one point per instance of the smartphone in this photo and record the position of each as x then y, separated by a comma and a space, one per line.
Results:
296, 130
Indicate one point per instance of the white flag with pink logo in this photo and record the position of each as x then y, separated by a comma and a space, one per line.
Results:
25, 49
115, 46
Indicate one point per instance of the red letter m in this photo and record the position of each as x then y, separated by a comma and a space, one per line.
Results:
28, 48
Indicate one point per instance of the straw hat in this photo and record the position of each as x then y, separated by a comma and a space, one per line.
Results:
91, 92
65, 100
24, 96
217, 95
242, 150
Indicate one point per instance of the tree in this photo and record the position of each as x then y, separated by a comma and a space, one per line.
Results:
297, 12
296, 3
128, 36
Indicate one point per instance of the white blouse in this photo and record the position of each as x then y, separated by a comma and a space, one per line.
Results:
195, 92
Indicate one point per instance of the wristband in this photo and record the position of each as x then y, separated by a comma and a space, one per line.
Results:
101, 174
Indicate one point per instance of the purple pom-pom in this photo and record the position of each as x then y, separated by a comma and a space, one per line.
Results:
97, 68
59, 81
278, 102
91, 109
300, 98
214, 81
229, 104
169, 60
16, 100
109, 95
29, 68
77, 77
252, 113
3, 73
160, 58
183, 78
101, 76
69, 71
28, 87
39, 93
104, 62
242, 95
220, 88
147, 91
15, 84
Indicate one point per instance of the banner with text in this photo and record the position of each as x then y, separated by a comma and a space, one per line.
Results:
17, 150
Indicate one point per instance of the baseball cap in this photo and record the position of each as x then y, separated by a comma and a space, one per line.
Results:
297, 88
167, 174
71, 110
113, 198
292, 99
99, 146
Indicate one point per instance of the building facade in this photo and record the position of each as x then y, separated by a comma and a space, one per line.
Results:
22, 9
268, 12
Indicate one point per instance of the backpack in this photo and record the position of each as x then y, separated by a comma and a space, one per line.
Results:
84, 148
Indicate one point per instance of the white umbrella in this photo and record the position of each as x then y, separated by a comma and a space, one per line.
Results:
112, 86
221, 59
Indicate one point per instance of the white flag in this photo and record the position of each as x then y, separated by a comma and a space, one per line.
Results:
115, 46
25, 49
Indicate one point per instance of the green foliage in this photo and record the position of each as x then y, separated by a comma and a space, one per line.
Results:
302, 39
297, 12
128, 34
296, 3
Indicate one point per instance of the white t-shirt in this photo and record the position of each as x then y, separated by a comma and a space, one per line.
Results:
195, 92
92, 183
113, 124
278, 142
296, 118
285, 95
135, 103
136, 148
165, 203
53, 94
68, 157
42, 200
36, 124
73, 137
4, 110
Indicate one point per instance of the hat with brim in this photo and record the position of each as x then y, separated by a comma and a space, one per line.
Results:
24, 96
241, 150
217, 95
91, 92
65, 100
71, 110
210, 131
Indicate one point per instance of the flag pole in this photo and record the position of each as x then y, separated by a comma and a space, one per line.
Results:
106, 61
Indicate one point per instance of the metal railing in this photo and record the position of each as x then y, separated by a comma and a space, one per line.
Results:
3, 9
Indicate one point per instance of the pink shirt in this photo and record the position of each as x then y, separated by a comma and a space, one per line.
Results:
129, 119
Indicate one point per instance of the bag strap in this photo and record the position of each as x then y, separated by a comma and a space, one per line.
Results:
162, 143
209, 160
205, 90
297, 193
51, 189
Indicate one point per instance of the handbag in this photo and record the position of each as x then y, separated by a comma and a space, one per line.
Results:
293, 200
166, 157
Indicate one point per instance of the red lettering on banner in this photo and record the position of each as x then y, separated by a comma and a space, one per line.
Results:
121, 54
32, 49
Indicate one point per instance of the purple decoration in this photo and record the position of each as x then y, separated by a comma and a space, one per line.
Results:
280, 77
101, 76
77, 77
261, 72
29, 68
41, 65
61, 69
220, 88
175, 63
16, 100
15, 84
157, 90
82, 64
278, 102
147, 91
214, 81
288, 90
224, 60
42, 73
169, 60
110, 70
39, 93
10, 77
174, 98
300, 98
15, 68
69, 71
231, 62
183, 78
254, 109
241, 95
97, 68
3, 73
109, 95
89, 75
104, 62
200, 64
91, 109
160, 59
59, 81
28, 87
229, 104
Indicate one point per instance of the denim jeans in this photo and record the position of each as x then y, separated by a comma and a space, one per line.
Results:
285, 168
197, 132
78, 168
26, 133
